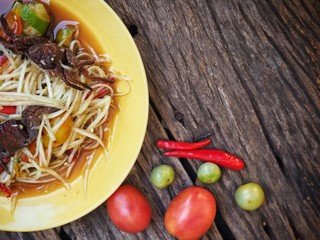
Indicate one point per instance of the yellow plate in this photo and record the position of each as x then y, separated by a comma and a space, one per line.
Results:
61, 207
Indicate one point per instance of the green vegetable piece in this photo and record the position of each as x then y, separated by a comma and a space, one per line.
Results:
65, 35
249, 196
209, 173
162, 176
35, 19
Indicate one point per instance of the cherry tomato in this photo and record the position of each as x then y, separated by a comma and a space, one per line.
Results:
129, 210
249, 196
209, 172
191, 213
162, 176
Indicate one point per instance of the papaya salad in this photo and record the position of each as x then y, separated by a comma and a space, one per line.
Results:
56, 95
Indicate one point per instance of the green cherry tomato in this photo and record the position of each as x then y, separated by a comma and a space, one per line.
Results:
249, 196
209, 173
162, 176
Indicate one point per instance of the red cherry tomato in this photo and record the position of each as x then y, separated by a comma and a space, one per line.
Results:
191, 213
129, 210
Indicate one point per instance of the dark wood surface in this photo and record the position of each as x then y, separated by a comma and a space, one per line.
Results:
249, 73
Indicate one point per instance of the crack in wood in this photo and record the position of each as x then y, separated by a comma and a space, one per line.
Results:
247, 21
189, 169
63, 235
223, 227
293, 228
268, 230
298, 228
177, 115
155, 110
308, 11
203, 136
298, 20
133, 29
281, 165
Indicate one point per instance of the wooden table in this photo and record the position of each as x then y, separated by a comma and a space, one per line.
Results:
249, 73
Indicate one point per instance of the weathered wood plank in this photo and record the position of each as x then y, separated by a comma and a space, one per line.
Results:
249, 71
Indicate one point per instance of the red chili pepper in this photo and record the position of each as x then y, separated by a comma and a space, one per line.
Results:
219, 157
102, 92
8, 109
174, 145
99, 92
6, 190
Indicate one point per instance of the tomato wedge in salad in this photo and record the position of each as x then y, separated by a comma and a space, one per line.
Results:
15, 24
7, 110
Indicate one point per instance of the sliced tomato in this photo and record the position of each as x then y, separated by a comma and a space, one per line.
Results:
5, 65
32, 149
3, 59
24, 158
7, 109
14, 23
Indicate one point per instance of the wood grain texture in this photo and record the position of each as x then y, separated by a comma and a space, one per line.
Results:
248, 72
